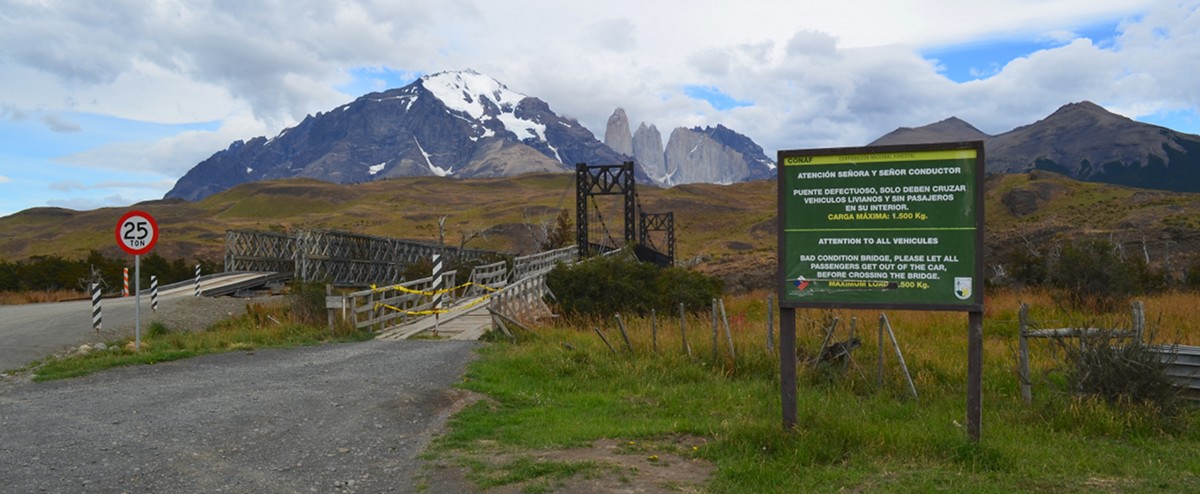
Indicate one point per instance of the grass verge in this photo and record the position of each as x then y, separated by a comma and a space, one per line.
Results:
257, 328
564, 388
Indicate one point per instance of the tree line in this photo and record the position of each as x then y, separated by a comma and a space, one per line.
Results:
47, 273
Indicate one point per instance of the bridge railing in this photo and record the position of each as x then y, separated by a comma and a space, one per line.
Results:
382, 308
493, 276
522, 300
542, 262
342, 258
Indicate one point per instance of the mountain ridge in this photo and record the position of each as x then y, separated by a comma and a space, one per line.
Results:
1082, 141
461, 124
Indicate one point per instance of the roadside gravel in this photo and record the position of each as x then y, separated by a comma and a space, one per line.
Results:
330, 418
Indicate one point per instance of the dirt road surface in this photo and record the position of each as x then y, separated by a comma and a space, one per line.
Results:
331, 418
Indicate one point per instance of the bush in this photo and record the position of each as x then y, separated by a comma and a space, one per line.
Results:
1191, 277
603, 286
1121, 370
307, 301
1094, 275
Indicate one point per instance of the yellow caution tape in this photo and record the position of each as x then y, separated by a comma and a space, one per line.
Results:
428, 312
404, 289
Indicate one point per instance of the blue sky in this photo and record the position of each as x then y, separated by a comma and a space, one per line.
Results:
105, 105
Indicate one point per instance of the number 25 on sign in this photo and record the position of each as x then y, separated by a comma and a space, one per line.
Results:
137, 232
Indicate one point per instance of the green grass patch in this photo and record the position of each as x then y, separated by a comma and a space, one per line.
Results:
563, 388
252, 330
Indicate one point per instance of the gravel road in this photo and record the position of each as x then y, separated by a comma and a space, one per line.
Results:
331, 418
33, 331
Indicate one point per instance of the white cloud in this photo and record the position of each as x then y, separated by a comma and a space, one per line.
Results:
4, 179
818, 74
59, 124
171, 156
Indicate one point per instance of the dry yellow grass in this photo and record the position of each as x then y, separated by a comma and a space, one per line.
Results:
39, 297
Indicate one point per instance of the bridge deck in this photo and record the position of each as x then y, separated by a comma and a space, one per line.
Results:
467, 320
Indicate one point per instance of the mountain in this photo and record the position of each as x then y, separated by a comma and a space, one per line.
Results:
698, 155
648, 149
459, 124
616, 133
1082, 141
951, 129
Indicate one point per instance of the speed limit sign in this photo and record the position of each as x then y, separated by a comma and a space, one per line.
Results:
137, 232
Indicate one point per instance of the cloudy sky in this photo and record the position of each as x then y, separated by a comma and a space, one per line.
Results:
108, 103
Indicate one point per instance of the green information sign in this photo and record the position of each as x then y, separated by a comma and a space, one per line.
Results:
896, 227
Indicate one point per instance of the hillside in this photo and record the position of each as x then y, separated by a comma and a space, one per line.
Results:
726, 229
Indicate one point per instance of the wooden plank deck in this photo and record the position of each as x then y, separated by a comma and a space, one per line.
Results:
463, 322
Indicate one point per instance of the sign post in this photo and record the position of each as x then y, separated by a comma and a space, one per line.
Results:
136, 233
887, 227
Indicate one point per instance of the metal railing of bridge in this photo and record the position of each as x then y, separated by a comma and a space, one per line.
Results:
341, 258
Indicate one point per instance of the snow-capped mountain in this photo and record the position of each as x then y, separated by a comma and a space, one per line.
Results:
460, 124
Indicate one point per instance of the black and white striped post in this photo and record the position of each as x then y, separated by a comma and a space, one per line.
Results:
437, 287
154, 293
96, 307
197, 280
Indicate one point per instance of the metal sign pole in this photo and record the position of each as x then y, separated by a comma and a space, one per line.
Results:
137, 302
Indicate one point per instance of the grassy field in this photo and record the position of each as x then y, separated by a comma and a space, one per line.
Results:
561, 387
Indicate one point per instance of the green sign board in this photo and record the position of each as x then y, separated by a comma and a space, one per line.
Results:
897, 227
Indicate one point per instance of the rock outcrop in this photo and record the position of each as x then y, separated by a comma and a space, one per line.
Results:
648, 152
693, 156
616, 134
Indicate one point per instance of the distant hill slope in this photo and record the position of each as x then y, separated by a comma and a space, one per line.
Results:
729, 230
1082, 141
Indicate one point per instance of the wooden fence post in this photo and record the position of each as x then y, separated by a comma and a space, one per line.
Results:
1139, 320
825, 342
879, 373
602, 338
728, 334
770, 324
624, 334
1023, 355
715, 346
683, 329
900, 357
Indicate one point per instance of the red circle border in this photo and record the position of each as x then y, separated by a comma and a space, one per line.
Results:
153, 229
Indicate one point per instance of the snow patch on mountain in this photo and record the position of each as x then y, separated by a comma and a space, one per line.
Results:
468, 91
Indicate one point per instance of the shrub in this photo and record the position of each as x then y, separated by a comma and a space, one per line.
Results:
1094, 275
1120, 369
307, 301
602, 286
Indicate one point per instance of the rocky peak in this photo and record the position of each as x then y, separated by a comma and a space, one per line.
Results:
616, 134
693, 156
648, 152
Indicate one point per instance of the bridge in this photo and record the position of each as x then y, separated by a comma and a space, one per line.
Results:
493, 295
392, 307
